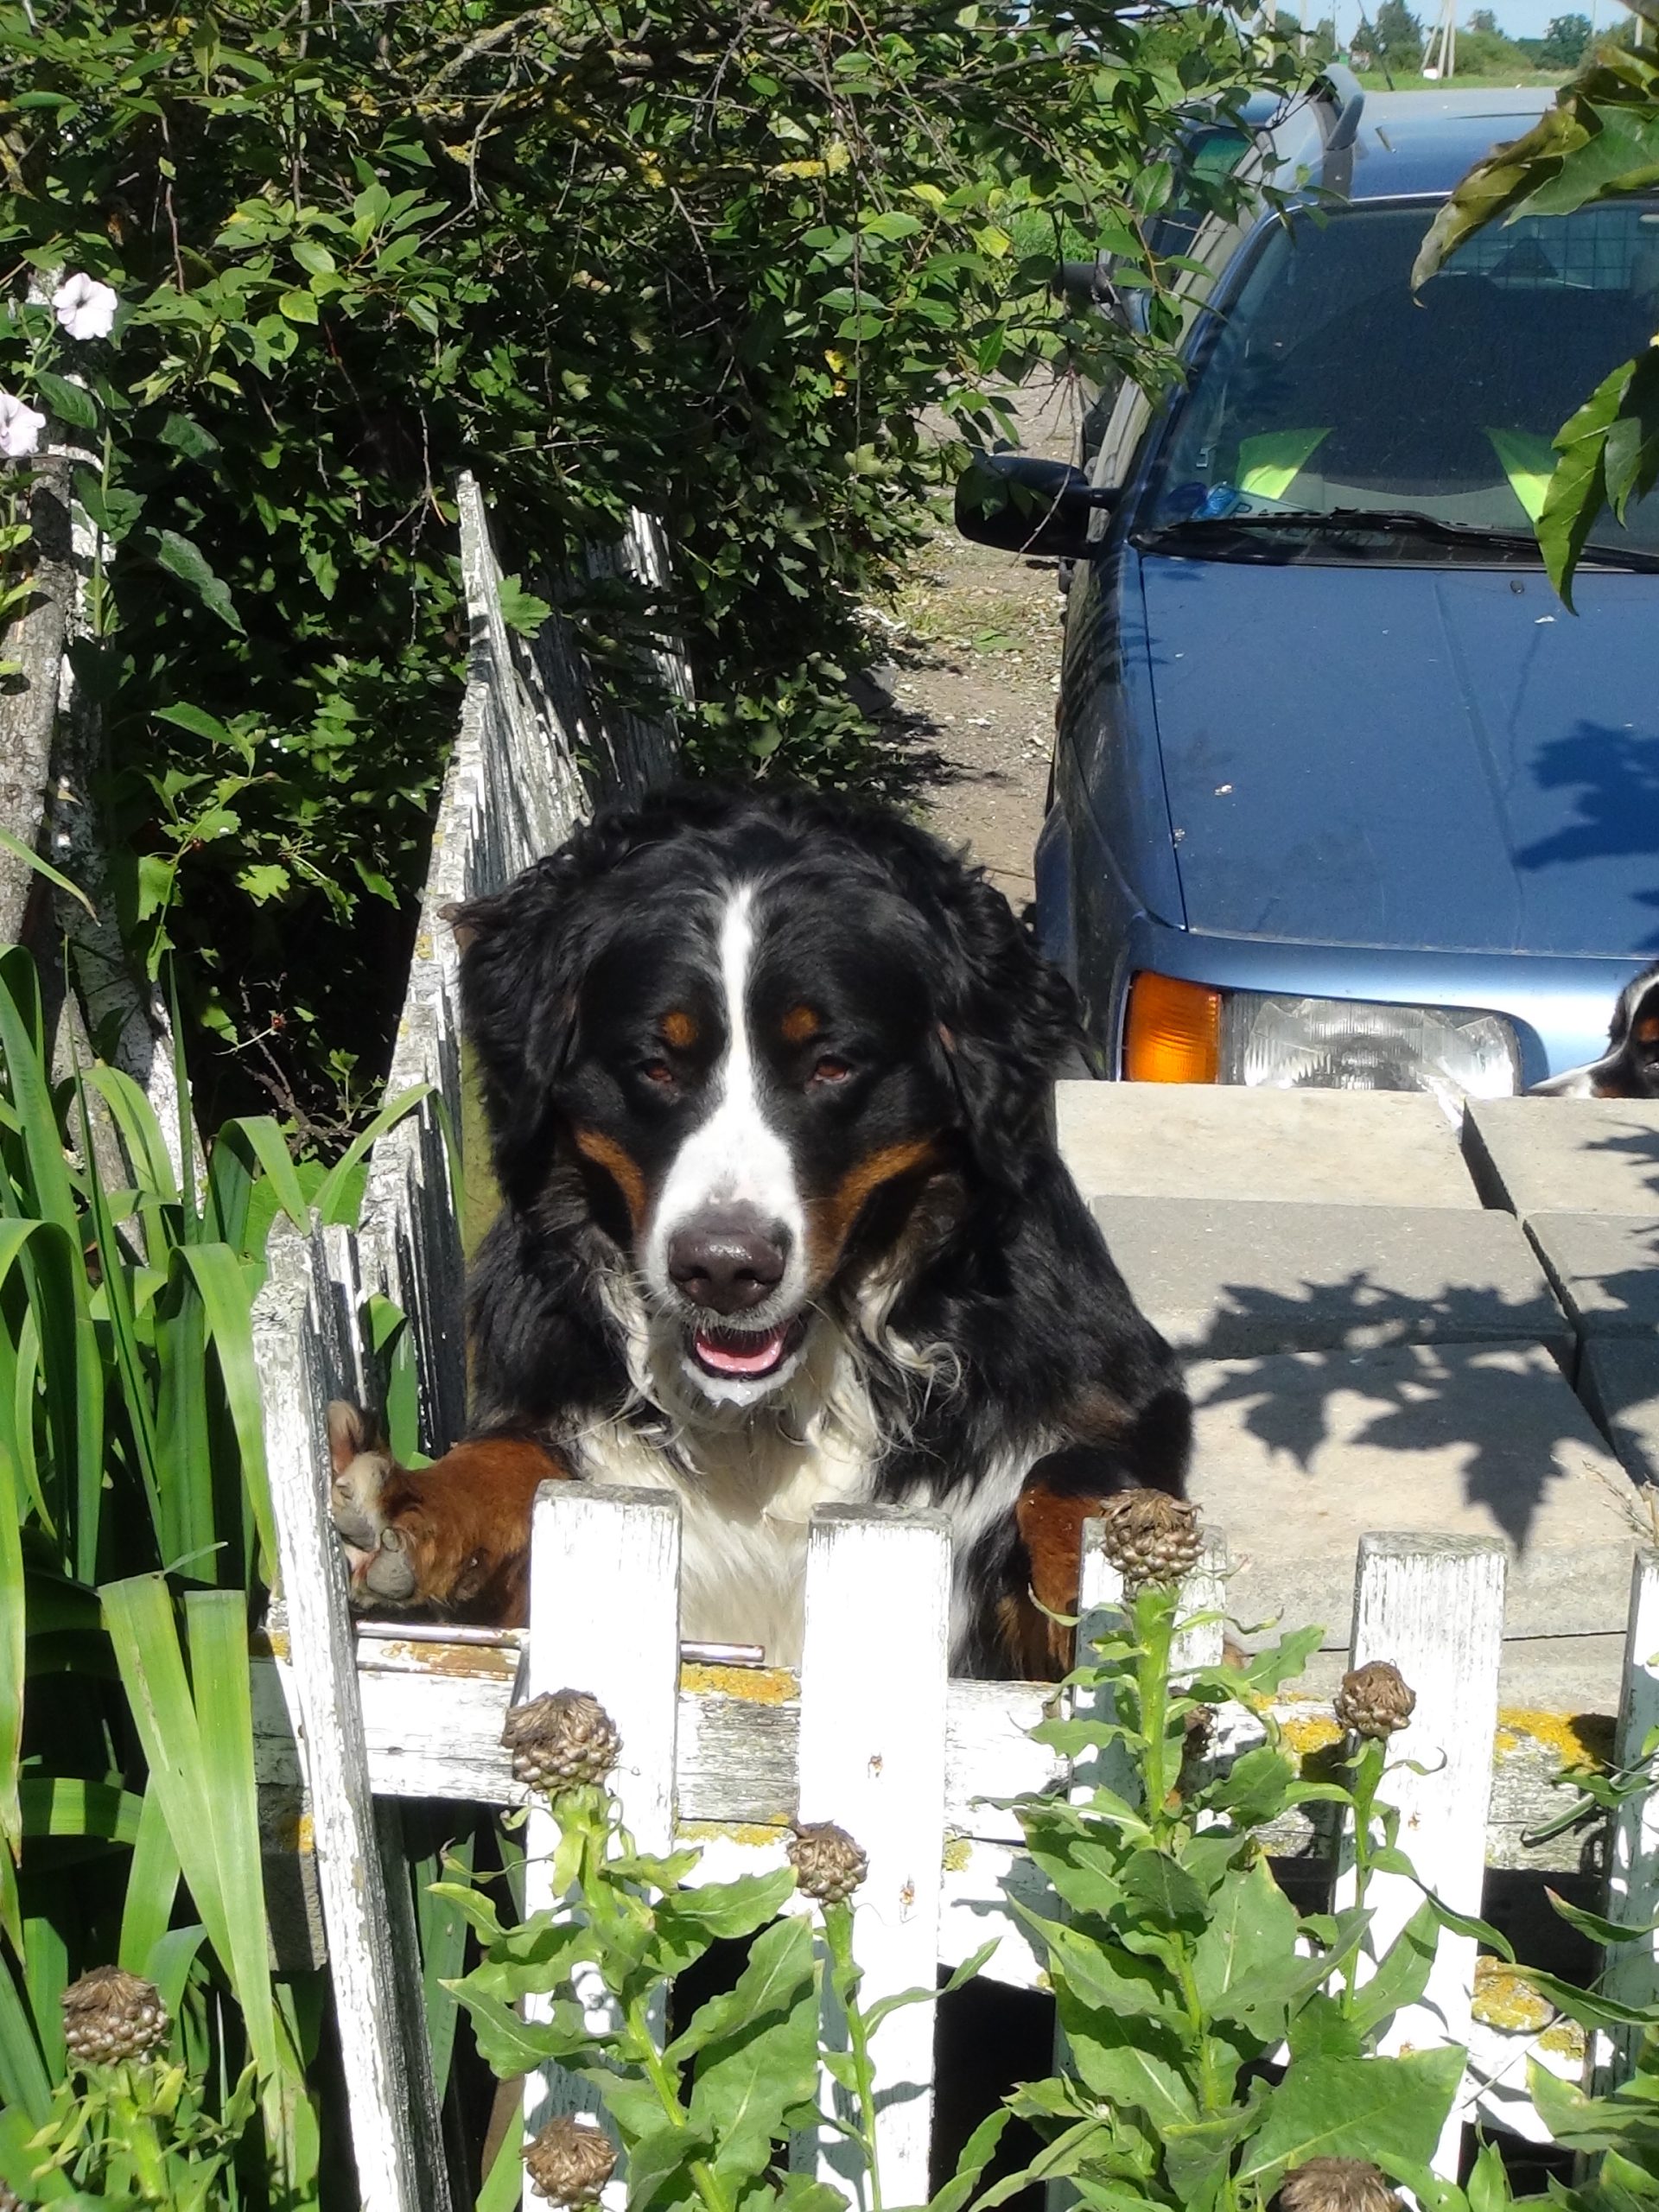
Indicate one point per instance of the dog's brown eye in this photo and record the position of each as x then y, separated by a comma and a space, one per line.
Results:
828, 1069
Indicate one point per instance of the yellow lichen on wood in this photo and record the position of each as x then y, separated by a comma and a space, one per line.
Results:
958, 1854
1576, 1739
1305, 1734
750, 1832
748, 1685
1505, 1999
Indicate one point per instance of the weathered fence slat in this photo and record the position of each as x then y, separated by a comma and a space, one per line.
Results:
1434, 1606
304, 1359
605, 1617
1632, 1974
871, 1760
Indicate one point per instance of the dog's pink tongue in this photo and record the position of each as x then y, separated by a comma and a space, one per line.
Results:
741, 1355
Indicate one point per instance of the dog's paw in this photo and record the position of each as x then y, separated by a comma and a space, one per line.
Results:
363, 1473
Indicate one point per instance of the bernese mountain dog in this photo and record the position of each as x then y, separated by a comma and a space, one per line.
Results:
1629, 1066
782, 1223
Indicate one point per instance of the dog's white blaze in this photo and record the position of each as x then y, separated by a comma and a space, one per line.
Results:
735, 1157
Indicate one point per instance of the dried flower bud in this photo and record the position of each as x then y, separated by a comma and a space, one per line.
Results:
829, 1865
570, 2161
1374, 1700
109, 2016
1150, 1536
8, 2202
561, 1740
1336, 2185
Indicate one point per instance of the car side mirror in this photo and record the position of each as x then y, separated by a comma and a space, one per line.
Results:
1026, 505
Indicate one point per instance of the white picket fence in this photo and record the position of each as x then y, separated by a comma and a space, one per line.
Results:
873, 1735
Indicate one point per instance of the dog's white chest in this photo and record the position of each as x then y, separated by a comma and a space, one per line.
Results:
746, 1503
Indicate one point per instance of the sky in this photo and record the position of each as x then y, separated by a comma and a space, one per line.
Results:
1520, 18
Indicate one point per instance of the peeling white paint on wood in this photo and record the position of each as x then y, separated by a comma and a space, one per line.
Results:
871, 1760
1434, 1606
1632, 1976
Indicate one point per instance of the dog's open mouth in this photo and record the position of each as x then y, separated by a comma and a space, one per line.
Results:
747, 1355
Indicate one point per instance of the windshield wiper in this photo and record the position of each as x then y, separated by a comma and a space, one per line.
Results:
1403, 521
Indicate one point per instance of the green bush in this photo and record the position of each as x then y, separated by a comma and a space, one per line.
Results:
716, 262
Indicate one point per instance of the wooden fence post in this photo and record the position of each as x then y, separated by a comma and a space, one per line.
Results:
871, 1760
604, 1616
305, 1354
1434, 1606
1632, 1974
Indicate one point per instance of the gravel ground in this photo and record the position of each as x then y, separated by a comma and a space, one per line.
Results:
974, 672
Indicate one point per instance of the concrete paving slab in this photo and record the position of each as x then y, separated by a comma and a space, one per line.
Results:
1227, 1278
1197, 1141
1619, 1380
1565, 1155
1604, 1268
1298, 1454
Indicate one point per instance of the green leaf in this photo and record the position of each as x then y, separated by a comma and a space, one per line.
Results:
1130, 2060
1102, 1975
976, 2154
298, 306
1401, 1974
758, 2080
189, 438
1164, 1893
520, 609
68, 402
186, 561
200, 723
110, 509
1375, 2108
1245, 1964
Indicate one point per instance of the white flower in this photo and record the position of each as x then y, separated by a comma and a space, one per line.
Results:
85, 307
20, 427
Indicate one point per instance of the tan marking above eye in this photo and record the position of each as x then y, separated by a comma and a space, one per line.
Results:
620, 1165
678, 1029
800, 1023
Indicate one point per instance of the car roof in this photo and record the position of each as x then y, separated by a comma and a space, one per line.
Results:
1409, 144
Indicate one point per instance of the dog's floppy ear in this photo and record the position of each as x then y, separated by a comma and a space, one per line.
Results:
524, 953
1010, 1022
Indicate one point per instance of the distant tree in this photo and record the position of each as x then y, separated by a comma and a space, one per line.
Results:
1485, 20
1482, 53
1399, 37
1564, 41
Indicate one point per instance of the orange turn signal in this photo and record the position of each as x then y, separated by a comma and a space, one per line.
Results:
1173, 1032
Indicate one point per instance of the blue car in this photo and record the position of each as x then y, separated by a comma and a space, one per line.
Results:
1343, 795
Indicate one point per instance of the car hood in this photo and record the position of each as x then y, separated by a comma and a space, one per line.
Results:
1433, 757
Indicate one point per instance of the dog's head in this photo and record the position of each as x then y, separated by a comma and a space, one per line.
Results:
1629, 1066
749, 1035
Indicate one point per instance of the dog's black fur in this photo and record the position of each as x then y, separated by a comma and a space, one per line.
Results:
935, 1032
1629, 1066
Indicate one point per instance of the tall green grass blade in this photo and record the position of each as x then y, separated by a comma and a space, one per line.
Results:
19, 851
157, 1187
68, 1804
23, 2078
218, 1629
17, 2161
138, 1613
264, 1140
13, 1656
152, 1884
504, 2185
442, 1933
20, 1373
183, 1442
335, 1202
46, 1977
227, 1287
168, 1963
51, 1192
394, 1346
130, 1370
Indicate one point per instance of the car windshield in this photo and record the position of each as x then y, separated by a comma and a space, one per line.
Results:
1329, 386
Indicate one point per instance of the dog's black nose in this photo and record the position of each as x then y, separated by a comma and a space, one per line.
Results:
728, 1262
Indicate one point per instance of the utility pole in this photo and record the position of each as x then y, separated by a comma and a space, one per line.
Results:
1440, 54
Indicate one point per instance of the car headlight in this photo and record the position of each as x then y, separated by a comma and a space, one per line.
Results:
1186, 1032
